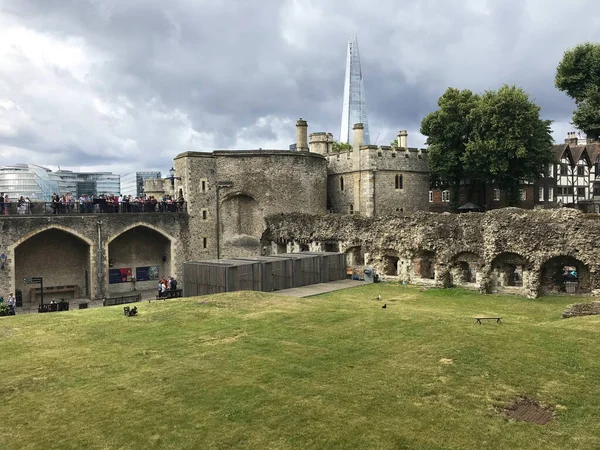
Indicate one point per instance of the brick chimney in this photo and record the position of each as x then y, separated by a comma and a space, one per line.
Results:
301, 135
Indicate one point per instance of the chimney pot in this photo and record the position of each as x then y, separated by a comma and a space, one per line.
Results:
301, 135
402, 139
358, 130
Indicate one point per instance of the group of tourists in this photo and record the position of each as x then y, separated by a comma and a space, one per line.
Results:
165, 285
11, 303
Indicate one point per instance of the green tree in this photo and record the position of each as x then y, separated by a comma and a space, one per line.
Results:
447, 131
509, 143
394, 143
341, 146
578, 75
497, 137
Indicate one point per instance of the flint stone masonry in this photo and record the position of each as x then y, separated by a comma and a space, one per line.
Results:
61, 248
581, 309
505, 250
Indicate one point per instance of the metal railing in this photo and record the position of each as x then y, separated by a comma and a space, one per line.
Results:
98, 207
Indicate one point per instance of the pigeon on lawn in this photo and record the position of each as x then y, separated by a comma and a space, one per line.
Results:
384, 306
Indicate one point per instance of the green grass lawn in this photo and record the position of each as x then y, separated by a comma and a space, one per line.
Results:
262, 371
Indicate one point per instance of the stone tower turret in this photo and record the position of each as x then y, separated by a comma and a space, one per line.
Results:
321, 143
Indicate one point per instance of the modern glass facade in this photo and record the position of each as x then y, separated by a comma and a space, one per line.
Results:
89, 183
39, 183
354, 106
133, 183
28, 180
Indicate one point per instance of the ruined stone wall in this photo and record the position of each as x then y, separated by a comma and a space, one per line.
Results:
56, 246
506, 250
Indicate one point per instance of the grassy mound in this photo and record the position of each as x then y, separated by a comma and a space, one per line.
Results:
254, 370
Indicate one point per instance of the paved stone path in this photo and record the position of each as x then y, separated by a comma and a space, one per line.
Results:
321, 288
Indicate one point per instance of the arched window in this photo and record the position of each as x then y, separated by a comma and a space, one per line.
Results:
341, 183
399, 181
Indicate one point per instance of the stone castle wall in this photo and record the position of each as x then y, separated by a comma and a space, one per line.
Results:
509, 250
254, 184
64, 248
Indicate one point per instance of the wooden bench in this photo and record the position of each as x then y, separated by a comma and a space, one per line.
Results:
177, 293
122, 300
479, 319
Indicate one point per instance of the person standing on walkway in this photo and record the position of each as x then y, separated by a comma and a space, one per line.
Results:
11, 303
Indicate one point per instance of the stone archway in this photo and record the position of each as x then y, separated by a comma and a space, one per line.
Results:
137, 258
242, 225
565, 274
423, 264
464, 267
510, 270
62, 258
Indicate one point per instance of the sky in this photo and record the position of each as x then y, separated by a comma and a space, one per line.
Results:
126, 85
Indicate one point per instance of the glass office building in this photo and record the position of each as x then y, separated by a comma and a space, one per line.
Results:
28, 180
133, 183
354, 106
89, 183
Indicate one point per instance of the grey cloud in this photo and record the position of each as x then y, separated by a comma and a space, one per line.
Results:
184, 68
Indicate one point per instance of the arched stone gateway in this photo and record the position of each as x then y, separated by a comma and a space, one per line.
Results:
242, 225
137, 259
62, 258
565, 274
463, 269
510, 271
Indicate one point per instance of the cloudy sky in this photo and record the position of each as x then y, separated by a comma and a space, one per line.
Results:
125, 85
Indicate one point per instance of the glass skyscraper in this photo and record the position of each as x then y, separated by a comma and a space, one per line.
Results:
28, 180
354, 108
133, 183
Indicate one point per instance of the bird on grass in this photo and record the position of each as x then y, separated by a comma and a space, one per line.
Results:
384, 306
379, 297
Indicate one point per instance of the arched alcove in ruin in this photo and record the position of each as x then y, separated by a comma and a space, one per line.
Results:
565, 274
355, 256
141, 253
510, 270
390, 260
242, 225
423, 264
464, 267
61, 258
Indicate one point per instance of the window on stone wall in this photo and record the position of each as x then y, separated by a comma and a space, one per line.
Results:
541, 193
203, 185
496, 195
204, 242
446, 196
341, 183
430, 196
399, 182
204, 214
351, 208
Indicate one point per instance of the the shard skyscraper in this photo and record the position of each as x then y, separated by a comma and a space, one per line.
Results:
354, 104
